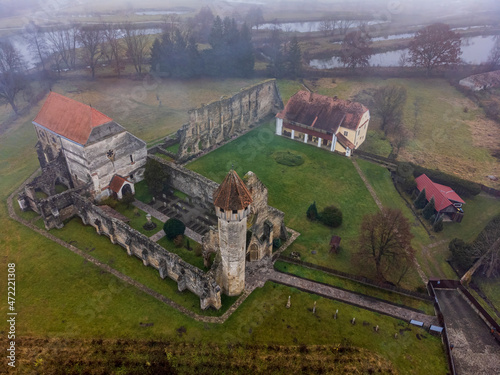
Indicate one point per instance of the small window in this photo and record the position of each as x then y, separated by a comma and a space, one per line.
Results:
131, 159
132, 176
235, 212
221, 210
346, 133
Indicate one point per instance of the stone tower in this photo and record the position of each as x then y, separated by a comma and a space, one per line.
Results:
232, 204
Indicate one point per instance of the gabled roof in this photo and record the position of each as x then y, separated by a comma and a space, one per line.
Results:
443, 195
322, 112
117, 182
69, 118
232, 194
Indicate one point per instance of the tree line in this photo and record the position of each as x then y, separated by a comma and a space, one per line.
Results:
231, 52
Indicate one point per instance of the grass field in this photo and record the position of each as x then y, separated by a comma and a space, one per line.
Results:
452, 133
324, 177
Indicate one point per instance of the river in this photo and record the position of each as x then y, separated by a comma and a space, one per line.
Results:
475, 50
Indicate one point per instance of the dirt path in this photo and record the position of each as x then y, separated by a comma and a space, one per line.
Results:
367, 184
430, 260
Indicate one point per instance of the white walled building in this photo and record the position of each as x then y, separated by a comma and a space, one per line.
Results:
336, 124
96, 148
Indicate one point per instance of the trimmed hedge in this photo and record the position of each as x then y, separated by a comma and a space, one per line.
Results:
462, 187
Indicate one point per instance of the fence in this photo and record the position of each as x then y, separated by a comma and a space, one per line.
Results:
490, 191
356, 278
377, 158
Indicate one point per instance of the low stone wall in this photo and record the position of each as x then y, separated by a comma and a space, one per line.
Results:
213, 123
58, 208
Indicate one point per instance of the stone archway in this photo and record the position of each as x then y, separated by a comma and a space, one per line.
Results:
126, 189
253, 253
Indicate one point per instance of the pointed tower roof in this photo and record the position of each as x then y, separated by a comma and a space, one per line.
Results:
232, 194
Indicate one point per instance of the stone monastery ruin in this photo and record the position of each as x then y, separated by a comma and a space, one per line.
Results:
94, 157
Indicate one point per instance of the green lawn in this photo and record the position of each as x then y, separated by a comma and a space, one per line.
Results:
187, 255
99, 247
138, 219
326, 178
174, 148
142, 192
163, 156
323, 277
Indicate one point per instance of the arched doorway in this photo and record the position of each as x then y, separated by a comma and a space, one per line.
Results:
253, 253
126, 189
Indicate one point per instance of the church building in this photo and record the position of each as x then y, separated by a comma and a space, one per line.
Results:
97, 150
332, 123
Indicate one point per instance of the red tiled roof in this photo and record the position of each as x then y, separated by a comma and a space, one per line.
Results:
69, 118
344, 141
117, 183
323, 112
443, 195
232, 194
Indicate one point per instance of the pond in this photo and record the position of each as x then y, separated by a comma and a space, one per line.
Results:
475, 50
311, 26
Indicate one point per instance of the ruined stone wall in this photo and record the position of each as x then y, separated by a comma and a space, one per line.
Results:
68, 204
211, 124
198, 187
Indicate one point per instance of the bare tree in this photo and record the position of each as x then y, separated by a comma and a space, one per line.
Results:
385, 242
12, 79
91, 38
344, 26
171, 22
137, 42
403, 59
356, 50
400, 138
417, 106
37, 44
112, 36
61, 43
327, 26
494, 57
435, 46
389, 102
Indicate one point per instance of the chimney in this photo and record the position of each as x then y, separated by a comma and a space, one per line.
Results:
335, 97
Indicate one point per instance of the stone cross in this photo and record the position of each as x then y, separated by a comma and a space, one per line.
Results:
154, 199
314, 308
164, 204
335, 316
376, 328
353, 321
395, 335
288, 304
148, 218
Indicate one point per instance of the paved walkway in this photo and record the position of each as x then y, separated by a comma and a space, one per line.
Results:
162, 217
475, 350
352, 298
